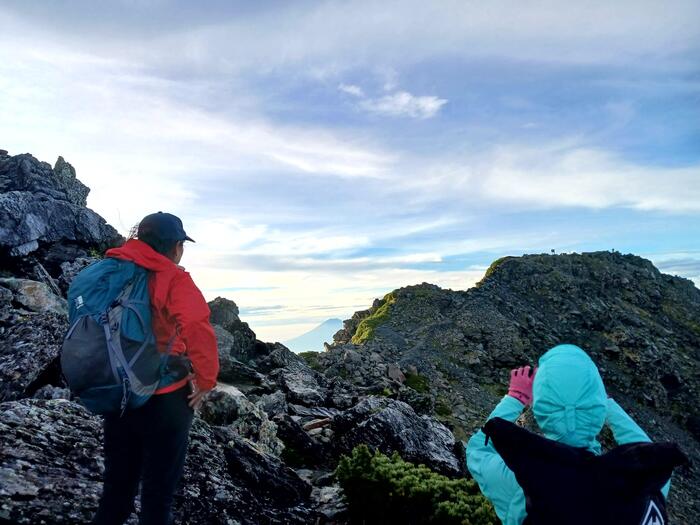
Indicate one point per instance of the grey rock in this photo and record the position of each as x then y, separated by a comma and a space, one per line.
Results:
28, 221
24, 248
394, 372
301, 385
29, 350
51, 468
392, 426
266, 476
223, 311
224, 343
41, 207
50, 462
330, 503
69, 269
25, 173
229, 407
299, 447
35, 296
273, 404
52, 392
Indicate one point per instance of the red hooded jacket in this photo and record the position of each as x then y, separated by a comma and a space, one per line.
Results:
179, 310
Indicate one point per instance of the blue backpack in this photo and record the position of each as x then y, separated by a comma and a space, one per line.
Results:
109, 356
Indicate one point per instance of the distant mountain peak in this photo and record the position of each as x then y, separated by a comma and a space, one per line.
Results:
313, 340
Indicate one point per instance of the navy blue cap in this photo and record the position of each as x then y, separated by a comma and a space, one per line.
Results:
164, 226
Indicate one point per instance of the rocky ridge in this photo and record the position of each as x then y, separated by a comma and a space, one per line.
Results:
447, 353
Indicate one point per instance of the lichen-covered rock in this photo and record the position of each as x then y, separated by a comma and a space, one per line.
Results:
50, 462
29, 348
392, 426
51, 468
35, 296
293, 376
69, 269
227, 406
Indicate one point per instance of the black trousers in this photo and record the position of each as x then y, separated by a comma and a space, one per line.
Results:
149, 445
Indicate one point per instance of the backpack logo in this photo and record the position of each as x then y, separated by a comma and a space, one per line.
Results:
79, 303
652, 515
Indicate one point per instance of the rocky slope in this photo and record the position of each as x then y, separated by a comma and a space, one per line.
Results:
447, 353
263, 446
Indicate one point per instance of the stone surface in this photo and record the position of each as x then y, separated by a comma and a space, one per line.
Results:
229, 407
223, 311
29, 350
41, 208
69, 269
51, 466
35, 296
392, 426
25, 173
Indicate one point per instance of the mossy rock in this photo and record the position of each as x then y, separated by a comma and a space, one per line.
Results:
311, 359
417, 382
493, 267
365, 330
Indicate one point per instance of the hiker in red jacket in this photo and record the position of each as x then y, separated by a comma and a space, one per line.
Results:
149, 444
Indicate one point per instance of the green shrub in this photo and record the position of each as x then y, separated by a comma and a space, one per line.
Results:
311, 359
365, 330
381, 490
443, 407
417, 382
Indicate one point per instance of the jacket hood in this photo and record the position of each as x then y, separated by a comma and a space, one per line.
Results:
569, 398
142, 254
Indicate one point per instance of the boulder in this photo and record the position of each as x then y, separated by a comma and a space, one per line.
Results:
393, 426
227, 406
29, 350
262, 473
35, 296
50, 462
43, 214
25, 173
299, 448
300, 384
69, 269
223, 311
51, 468
273, 404
28, 221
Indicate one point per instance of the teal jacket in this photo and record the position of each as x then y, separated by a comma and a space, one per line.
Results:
570, 406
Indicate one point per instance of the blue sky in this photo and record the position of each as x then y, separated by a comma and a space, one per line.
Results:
324, 153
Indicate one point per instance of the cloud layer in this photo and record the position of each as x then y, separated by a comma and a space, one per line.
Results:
324, 153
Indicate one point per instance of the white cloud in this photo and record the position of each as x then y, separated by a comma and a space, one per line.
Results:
402, 104
398, 32
566, 174
137, 139
351, 89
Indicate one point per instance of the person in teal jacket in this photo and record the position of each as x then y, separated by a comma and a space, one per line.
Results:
570, 405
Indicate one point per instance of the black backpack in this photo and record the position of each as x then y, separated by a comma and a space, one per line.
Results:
573, 486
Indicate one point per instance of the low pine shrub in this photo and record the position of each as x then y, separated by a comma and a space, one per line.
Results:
388, 490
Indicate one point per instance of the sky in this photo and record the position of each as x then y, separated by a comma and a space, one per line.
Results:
325, 153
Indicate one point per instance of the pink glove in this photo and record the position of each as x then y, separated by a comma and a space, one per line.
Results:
520, 386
